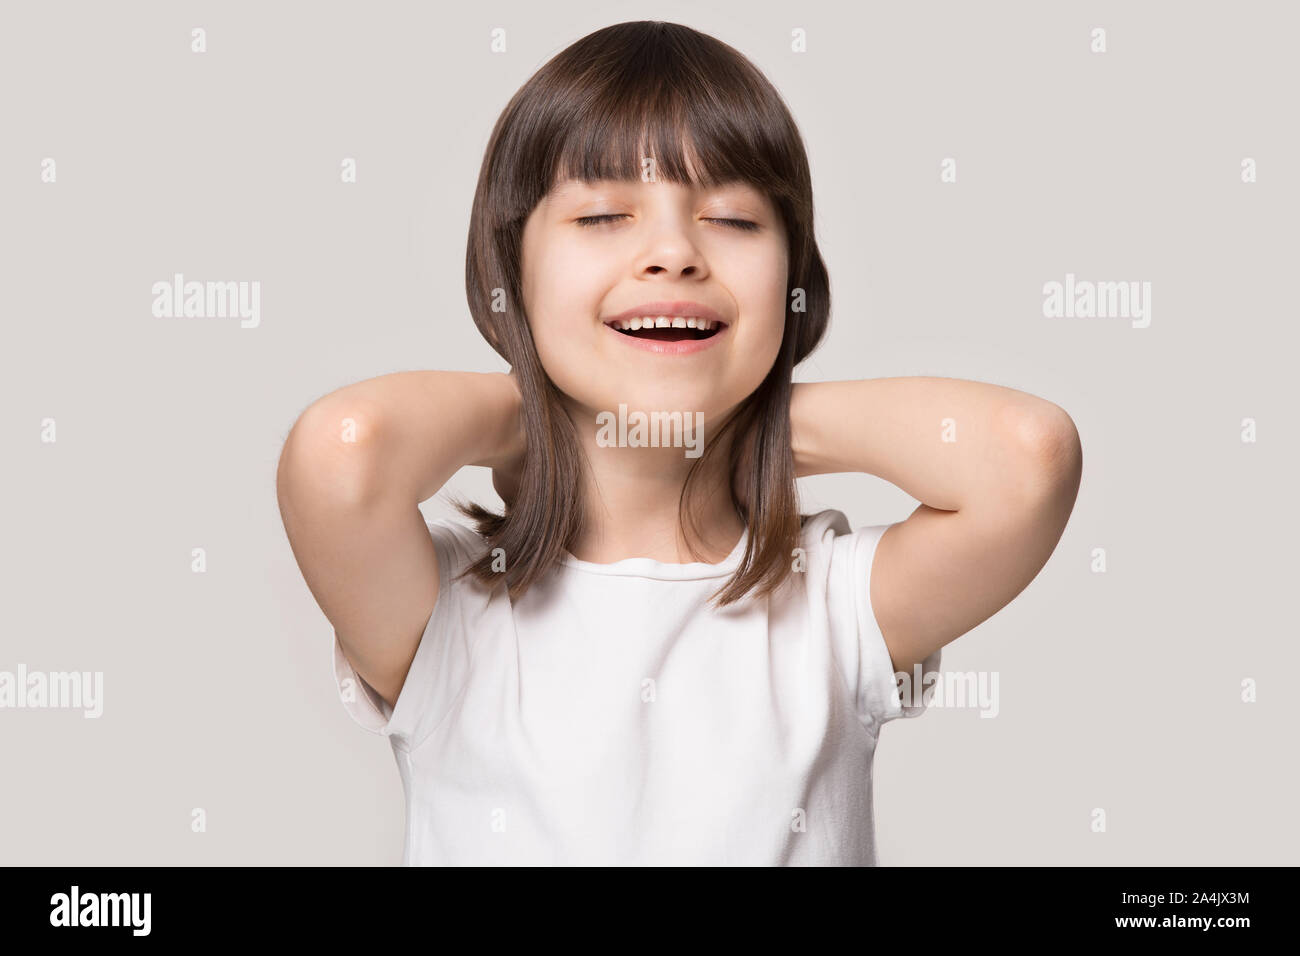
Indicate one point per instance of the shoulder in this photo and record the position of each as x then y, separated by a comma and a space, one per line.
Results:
839, 557
825, 543
829, 535
457, 537
822, 527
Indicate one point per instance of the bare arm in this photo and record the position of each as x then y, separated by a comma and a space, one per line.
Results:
352, 473
997, 471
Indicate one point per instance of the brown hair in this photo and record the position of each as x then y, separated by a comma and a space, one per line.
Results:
586, 114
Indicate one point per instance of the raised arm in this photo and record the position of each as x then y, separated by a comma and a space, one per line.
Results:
352, 473
996, 471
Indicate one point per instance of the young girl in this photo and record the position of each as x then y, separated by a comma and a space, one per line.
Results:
651, 657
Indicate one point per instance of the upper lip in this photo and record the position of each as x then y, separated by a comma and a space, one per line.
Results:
670, 309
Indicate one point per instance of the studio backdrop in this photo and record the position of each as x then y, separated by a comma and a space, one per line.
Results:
1095, 203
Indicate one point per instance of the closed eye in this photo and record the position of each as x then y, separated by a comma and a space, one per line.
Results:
596, 220
589, 221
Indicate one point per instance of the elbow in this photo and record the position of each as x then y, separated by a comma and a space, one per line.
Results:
331, 455
1046, 449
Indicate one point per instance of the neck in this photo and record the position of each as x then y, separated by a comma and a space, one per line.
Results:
633, 496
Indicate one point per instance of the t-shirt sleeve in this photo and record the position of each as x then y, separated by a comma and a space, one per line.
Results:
437, 672
881, 696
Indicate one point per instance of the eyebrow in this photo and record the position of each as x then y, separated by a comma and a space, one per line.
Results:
559, 191
572, 183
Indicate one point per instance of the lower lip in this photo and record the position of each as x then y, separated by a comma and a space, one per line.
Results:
684, 347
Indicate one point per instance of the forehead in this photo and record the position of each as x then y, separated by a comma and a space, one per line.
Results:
575, 186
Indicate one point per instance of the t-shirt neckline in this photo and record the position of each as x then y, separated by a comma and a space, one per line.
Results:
664, 571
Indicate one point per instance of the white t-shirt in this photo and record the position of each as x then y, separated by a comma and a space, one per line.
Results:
612, 717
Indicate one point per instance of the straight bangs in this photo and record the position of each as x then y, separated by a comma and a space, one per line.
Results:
655, 102
675, 132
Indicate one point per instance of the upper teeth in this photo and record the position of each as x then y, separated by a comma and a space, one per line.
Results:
664, 322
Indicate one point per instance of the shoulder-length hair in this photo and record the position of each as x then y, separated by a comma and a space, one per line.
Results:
587, 114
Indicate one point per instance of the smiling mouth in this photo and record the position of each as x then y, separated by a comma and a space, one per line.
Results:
667, 332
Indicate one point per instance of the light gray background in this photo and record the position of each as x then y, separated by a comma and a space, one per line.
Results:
1118, 690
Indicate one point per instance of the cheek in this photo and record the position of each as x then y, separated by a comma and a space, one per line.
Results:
562, 305
763, 301
764, 289
563, 296
542, 293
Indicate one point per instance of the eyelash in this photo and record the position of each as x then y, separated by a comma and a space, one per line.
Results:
742, 224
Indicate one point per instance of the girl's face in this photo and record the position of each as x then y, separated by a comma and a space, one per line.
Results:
654, 243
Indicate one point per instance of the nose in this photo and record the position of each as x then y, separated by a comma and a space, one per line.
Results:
669, 250
685, 270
